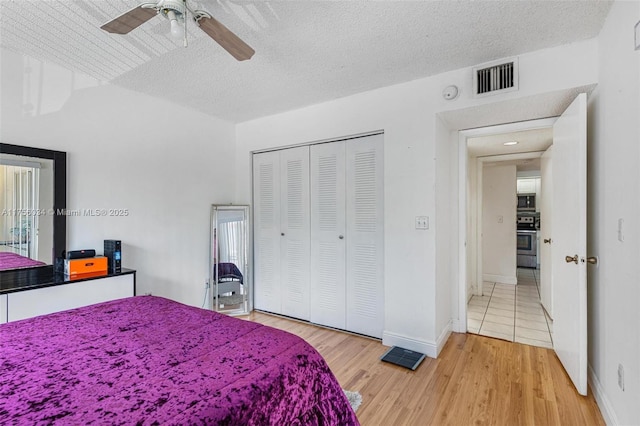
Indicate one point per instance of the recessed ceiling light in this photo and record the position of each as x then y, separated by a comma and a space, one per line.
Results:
510, 143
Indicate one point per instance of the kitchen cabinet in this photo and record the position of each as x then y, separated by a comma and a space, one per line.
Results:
526, 185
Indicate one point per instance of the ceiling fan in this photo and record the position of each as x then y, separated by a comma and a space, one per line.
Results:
176, 12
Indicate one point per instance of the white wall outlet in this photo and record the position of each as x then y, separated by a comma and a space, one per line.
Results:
621, 377
422, 222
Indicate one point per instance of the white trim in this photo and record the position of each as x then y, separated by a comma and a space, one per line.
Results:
463, 135
462, 227
317, 142
458, 326
430, 348
498, 129
394, 339
502, 279
479, 225
444, 336
606, 409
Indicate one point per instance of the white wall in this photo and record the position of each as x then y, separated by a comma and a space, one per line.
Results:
164, 163
408, 115
499, 223
614, 191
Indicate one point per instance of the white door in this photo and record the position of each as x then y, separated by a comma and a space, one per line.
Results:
365, 235
295, 231
569, 240
266, 231
546, 220
328, 235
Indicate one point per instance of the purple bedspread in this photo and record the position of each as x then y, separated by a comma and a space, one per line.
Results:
14, 261
149, 360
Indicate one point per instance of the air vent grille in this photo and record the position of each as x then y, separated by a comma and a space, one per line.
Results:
495, 77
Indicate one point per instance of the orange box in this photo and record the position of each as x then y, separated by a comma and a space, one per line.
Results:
84, 276
86, 266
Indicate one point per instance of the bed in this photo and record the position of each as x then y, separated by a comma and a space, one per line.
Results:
149, 360
15, 261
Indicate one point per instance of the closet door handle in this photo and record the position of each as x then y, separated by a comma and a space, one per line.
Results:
282, 234
341, 237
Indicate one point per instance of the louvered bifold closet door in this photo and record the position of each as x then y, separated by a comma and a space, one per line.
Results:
365, 237
328, 293
295, 231
266, 230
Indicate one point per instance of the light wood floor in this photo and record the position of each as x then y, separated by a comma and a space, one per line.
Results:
476, 380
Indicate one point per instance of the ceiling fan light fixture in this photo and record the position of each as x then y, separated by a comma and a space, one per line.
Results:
175, 11
177, 29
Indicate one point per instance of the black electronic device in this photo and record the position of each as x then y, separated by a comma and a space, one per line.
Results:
113, 252
80, 254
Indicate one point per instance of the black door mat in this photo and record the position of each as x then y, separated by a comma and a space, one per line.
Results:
403, 357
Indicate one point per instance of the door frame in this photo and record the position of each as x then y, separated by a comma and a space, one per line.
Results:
480, 161
463, 210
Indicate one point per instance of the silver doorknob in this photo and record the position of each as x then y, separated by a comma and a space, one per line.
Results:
341, 237
547, 241
570, 259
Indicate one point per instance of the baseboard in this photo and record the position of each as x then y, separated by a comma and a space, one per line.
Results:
444, 336
458, 326
393, 339
600, 396
502, 279
429, 348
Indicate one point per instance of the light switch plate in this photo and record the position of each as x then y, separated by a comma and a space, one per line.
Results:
422, 222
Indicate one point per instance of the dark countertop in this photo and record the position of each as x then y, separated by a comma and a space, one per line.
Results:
40, 277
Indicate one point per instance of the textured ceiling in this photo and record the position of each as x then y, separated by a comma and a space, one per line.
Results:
528, 141
306, 51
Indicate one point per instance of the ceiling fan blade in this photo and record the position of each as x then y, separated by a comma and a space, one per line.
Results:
225, 38
129, 20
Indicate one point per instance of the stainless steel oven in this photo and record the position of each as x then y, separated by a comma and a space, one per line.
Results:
527, 248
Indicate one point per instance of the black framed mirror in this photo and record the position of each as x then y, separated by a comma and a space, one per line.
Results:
42, 220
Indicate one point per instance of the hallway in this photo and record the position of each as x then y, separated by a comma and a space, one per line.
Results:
511, 312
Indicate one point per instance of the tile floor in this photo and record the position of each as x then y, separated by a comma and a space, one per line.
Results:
511, 312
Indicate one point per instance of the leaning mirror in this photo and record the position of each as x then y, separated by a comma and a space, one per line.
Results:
230, 259
32, 203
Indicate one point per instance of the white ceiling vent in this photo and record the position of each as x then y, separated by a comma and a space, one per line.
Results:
495, 77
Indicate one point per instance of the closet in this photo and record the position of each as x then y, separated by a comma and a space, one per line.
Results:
318, 233
281, 231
